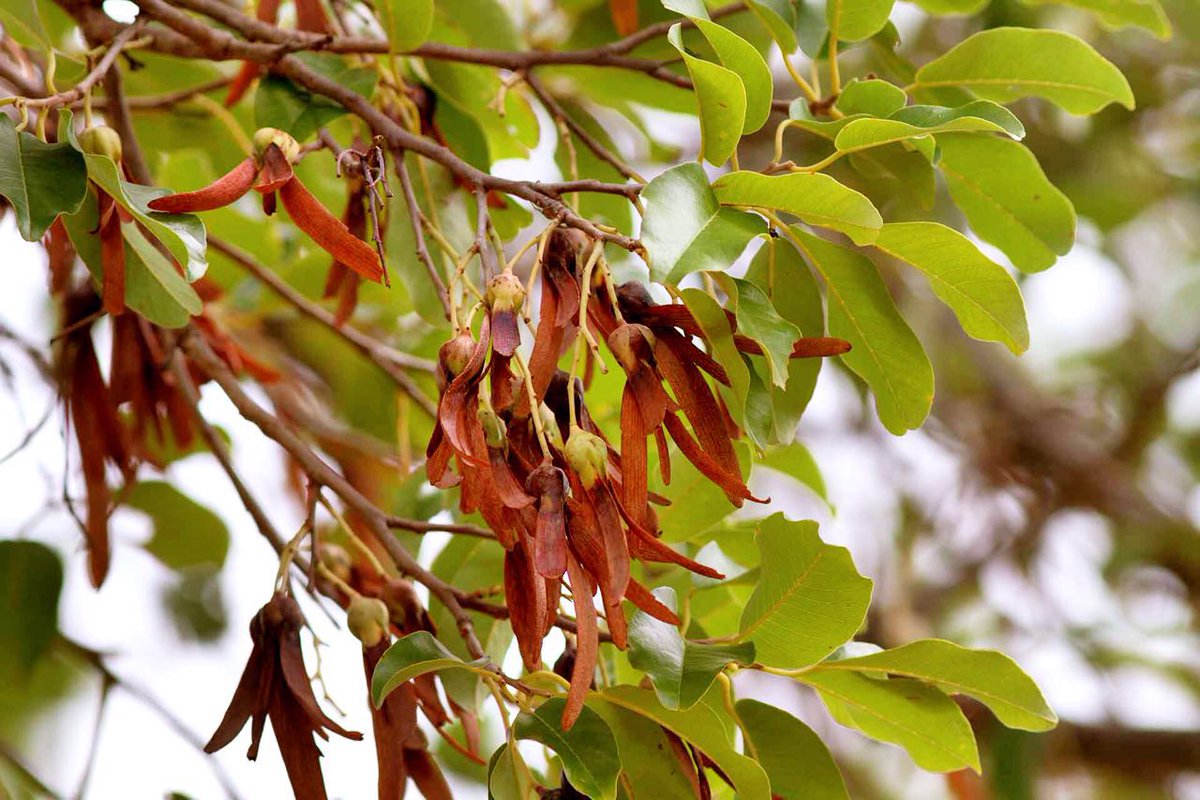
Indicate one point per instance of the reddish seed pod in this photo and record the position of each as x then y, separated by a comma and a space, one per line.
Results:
221, 192
329, 232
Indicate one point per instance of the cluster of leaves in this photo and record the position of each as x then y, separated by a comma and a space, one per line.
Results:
780, 601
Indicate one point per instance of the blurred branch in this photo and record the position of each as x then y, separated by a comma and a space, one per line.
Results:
10, 756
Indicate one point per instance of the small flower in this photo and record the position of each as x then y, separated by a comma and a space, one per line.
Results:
276, 686
269, 171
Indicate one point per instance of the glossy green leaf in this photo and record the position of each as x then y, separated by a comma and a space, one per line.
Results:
855, 20
699, 726
186, 534
507, 779
1007, 199
685, 229
40, 180
917, 121
721, 97
809, 600
681, 670
989, 676
885, 352
948, 7
648, 771
280, 103
979, 291
916, 716
796, 760
413, 655
758, 319
779, 18
588, 751
406, 23
688, 8
696, 502
782, 274
815, 198
31, 577
1005, 64
1146, 14
741, 58
875, 97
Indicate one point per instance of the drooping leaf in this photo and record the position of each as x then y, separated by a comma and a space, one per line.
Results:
917, 121
1147, 14
688, 8
989, 676
682, 670
699, 726
921, 719
647, 771
721, 97
685, 229
1005, 64
410, 656
507, 779
40, 180
588, 751
31, 577
979, 291
186, 534
886, 353
815, 198
855, 20
873, 96
406, 23
741, 58
758, 319
1007, 199
809, 600
796, 760
779, 18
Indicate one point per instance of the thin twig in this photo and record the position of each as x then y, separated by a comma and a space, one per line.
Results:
591, 142
414, 216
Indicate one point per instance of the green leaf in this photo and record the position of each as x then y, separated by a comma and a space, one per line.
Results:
875, 97
40, 180
809, 600
918, 717
989, 676
682, 671
696, 502
1005, 64
979, 291
815, 198
855, 20
588, 751
280, 103
721, 97
699, 726
1007, 199
479, 23
406, 23
646, 769
31, 577
186, 534
886, 353
741, 58
1115, 14
23, 23
796, 760
780, 272
685, 229
688, 8
779, 18
758, 319
917, 121
948, 7
413, 655
508, 780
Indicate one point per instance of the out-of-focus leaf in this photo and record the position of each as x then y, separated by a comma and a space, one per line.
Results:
779, 18
1147, 14
1005, 64
809, 600
40, 180
795, 461
989, 676
979, 291
644, 749
280, 103
31, 577
588, 751
186, 534
948, 7
685, 229
406, 23
796, 760
916, 716
1008, 200
815, 198
886, 353
23, 23
855, 20
682, 670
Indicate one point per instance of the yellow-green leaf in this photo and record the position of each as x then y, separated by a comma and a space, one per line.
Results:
815, 198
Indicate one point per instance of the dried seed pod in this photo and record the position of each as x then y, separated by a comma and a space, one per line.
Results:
221, 192
329, 232
505, 296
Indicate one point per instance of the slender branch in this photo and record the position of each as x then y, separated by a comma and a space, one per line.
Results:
390, 360
117, 112
421, 526
414, 217
80, 89
154, 102
591, 142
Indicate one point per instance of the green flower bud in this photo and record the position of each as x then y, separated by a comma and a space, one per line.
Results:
335, 559
367, 619
102, 140
550, 426
265, 137
505, 292
495, 432
587, 455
